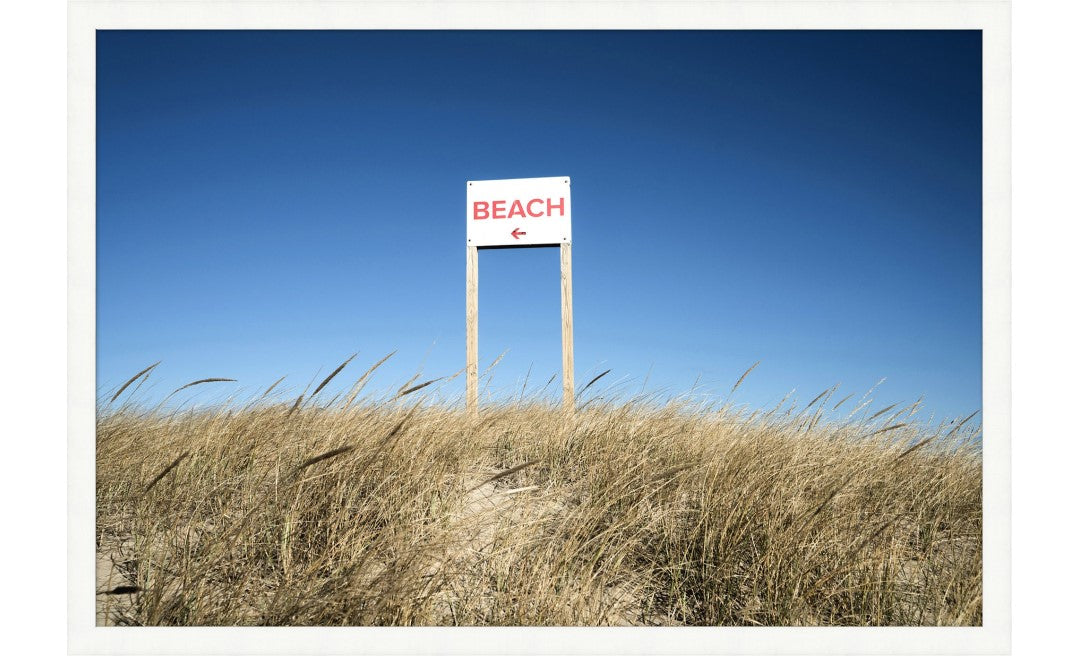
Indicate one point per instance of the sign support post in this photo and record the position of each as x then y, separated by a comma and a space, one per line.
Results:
472, 350
567, 295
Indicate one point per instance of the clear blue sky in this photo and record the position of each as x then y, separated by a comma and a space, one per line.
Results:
270, 202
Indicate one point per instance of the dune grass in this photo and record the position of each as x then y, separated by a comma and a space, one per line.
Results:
401, 511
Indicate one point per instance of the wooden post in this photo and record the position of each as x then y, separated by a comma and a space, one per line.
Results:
567, 327
472, 350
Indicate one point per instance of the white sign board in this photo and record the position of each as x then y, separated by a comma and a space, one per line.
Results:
517, 212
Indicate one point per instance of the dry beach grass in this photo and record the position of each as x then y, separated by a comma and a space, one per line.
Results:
396, 510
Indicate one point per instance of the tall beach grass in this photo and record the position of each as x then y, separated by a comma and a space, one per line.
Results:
397, 509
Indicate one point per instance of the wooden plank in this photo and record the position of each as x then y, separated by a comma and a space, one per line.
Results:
567, 327
472, 349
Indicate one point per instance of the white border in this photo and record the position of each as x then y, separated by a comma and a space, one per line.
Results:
991, 17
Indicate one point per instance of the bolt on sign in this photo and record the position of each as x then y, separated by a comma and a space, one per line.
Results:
522, 212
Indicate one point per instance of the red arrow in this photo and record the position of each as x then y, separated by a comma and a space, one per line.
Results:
517, 234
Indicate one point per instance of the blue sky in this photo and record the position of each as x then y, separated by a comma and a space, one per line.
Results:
269, 203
